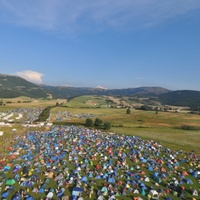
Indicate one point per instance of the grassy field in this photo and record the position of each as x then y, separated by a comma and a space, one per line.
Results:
163, 127
25, 102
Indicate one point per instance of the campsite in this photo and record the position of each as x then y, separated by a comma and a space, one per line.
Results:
143, 156
99, 100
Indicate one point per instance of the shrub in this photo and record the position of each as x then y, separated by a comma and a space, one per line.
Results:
106, 126
89, 122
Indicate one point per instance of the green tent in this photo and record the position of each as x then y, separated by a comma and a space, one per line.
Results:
10, 181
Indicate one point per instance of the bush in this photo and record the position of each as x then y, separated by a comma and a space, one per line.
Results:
98, 122
106, 126
89, 122
128, 111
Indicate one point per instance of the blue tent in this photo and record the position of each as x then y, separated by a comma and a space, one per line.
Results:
98, 177
75, 158
143, 160
17, 177
155, 175
163, 175
4, 194
188, 181
84, 179
41, 190
111, 180
60, 192
77, 191
150, 168
105, 176
6, 168
16, 197
16, 168
195, 174
133, 182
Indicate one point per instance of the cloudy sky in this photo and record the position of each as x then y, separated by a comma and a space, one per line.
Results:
106, 43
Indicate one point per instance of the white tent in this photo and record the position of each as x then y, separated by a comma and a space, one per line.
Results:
154, 194
50, 195
195, 193
147, 179
136, 191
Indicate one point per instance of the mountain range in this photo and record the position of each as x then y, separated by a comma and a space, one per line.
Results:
14, 86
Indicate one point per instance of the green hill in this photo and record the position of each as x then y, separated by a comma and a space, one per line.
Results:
14, 86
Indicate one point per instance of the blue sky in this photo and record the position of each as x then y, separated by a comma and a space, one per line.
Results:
107, 43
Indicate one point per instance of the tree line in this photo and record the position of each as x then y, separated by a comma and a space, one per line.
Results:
97, 123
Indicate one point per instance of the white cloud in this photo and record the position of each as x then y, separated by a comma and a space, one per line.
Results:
101, 87
31, 76
79, 15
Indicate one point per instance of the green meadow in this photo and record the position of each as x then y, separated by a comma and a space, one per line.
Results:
162, 127
176, 130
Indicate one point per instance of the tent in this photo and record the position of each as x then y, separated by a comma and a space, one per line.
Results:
136, 191
4, 194
29, 198
10, 181
100, 197
41, 190
189, 181
16, 197
142, 192
195, 193
84, 179
16, 168
104, 190
150, 168
77, 191
154, 194
111, 180
195, 174
49, 195
146, 179
61, 192
6, 168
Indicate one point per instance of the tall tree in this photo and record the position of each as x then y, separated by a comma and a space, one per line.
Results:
106, 126
89, 122
98, 122
128, 111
